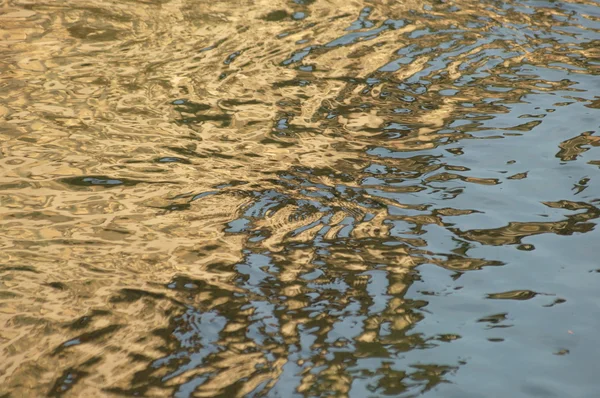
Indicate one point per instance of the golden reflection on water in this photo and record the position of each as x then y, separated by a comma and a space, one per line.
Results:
231, 198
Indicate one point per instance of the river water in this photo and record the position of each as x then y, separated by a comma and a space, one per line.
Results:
299, 198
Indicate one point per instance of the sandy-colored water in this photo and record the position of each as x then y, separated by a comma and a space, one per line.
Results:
299, 198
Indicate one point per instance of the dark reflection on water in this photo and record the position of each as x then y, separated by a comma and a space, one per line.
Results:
299, 198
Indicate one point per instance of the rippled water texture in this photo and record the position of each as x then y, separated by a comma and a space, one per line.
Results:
299, 198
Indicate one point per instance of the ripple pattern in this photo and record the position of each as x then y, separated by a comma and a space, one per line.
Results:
299, 198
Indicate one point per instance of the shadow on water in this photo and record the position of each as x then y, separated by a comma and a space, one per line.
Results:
299, 198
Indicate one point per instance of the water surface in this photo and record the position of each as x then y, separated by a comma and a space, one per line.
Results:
299, 198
